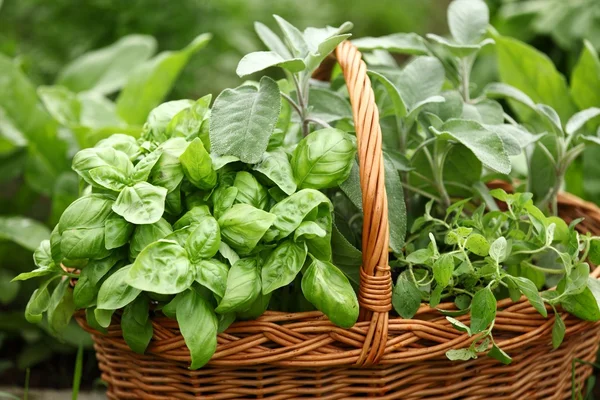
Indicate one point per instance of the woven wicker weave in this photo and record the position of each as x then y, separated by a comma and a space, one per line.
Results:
303, 355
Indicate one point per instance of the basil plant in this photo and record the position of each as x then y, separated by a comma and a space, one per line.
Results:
214, 214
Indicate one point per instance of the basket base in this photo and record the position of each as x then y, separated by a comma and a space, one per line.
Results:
537, 373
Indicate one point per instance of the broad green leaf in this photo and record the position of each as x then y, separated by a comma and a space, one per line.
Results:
162, 267
148, 84
61, 103
477, 244
143, 168
558, 331
271, 40
143, 235
530, 291
103, 317
198, 324
292, 37
483, 310
323, 159
88, 159
400, 107
250, 191
498, 249
468, 20
243, 119
38, 303
261, 60
457, 49
282, 265
485, 144
168, 172
291, 211
585, 79
60, 307
115, 292
256, 309
520, 65
106, 70
136, 325
502, 90
583, 305
460, 166
157, 124
328, 106
121, 142
47, 151
422, 78
26, 232
193, 216
499, 354
212, 274
396, 205
11, 138
243, 286
406, 297
276, 166
197, 166
404, 43
242, 226
579, 119
109, 178
204, 241
328, 289
142, 203
514, 138
442, 269
322, 41
189, 122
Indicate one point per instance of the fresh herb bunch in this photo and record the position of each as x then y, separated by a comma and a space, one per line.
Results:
210, 213
474, 258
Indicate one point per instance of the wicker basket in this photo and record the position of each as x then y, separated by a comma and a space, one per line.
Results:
303, 355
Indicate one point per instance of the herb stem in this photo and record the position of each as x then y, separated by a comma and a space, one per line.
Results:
318, 121
421, 192
542, 269
292, 103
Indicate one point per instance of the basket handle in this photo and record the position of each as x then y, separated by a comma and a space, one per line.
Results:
375, 290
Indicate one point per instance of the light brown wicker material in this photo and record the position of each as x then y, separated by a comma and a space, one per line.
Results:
303, 355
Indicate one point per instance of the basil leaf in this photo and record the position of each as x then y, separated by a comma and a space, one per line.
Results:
585, 79
115, 292
198, 324
144, 167
136, 325
250, 191
204, 240
328, 289
168, 172
162, 267
143, 235
212, 274
188, 122
117, 232
197, 166
277, 168
38, 303
60, 307
243, 119
257, 308
141, 204
242, 226
108, 178
121, 142
88, 159
282, 265
243, 286
483, 310
323, 159
406, 297
193, 216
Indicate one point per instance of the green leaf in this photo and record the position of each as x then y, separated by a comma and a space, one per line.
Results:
486, 145
403, 43
328, 289
293, 37
162, 267
328, 106
243, 286
212, 274
594, 252
189, 122
468, 20
442, 269
421, 79
498, 249
136, 325
477, 244
558, 331
117, 232
197, 166
583, 305
461, 354
421, 256
282, 265
61, 103
396, 205
26, 232
579, 119
291, 211
142, 203
204, 241
261, 60
108, 178
323, 159
459, 325
243, 119
60, 307
271, 40
143, 235
457, 49
159, 120
106, 70
528, 288
585, 79
38, 303
483, 310
88, 159
322, 41
520, 65
406, 297
115, 292
502, 90
144, 167
276, 167
499, 354
103, 317
250, 191
198, 324
151, 81
242, 226
400, 107
168, 172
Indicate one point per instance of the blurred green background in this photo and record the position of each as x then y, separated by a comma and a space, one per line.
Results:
42, 36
